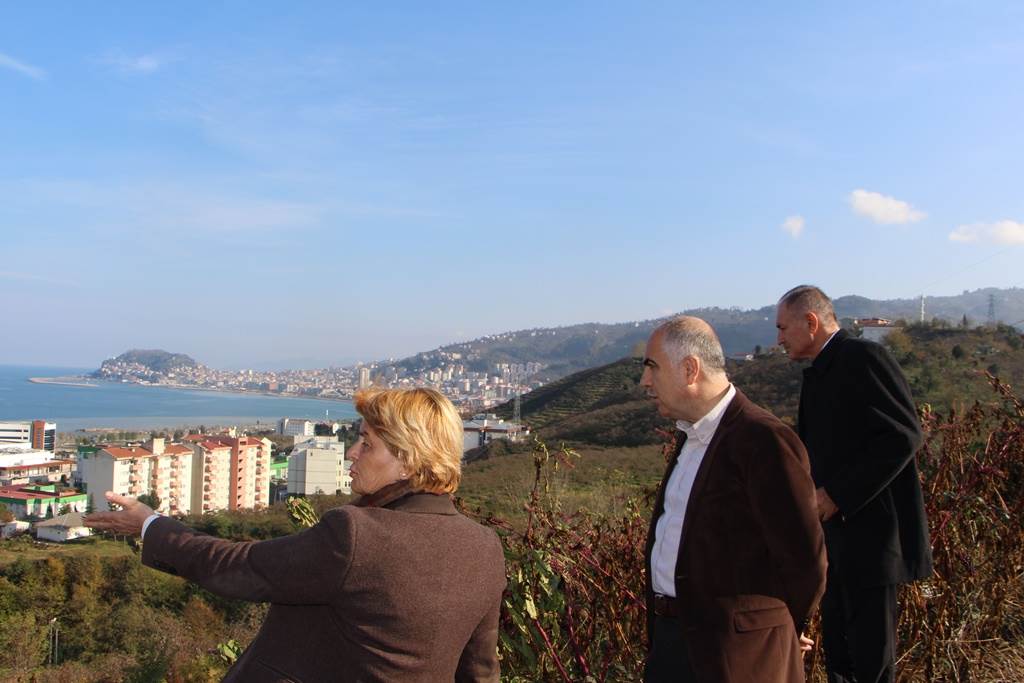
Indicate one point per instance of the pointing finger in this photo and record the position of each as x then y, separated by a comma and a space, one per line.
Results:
117, 499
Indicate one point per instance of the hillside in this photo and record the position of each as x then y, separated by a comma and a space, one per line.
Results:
565, 350
605, 406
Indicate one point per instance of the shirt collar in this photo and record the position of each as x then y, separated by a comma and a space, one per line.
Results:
828, 351
704, 429
830, 338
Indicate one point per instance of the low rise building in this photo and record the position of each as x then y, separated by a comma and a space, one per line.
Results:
12, 529
485, 427
41, 500
875, 329
21, 464
319, 466
66, 527
300, 428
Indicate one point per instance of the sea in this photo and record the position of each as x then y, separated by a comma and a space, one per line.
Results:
134, 407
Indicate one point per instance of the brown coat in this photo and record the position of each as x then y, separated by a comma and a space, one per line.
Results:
406, 592
751, 564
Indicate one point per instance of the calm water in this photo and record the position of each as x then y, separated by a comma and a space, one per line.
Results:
131, 406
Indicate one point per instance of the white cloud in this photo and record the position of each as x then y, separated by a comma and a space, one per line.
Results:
1000, 232
142, 64
794, 225
13, 64
883, 209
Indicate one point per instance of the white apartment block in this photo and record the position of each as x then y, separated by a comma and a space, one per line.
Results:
289, 426
153, 468
319, 466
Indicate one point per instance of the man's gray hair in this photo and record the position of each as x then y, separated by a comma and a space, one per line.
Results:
688, 336
809, 299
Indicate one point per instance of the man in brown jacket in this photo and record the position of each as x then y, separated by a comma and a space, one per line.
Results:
735, 555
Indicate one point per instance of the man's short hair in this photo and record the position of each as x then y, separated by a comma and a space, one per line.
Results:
809, 299
687, 336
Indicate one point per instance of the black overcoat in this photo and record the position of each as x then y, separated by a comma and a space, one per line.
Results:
858, 421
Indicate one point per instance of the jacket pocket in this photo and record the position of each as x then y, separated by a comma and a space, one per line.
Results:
756, 612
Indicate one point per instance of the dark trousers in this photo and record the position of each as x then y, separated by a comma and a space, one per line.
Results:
858, 632
668, 661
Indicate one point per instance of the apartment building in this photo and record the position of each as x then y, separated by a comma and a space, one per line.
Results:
207, 473
249, 471
15, 432
211, 476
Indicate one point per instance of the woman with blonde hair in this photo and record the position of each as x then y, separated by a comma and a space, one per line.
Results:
397, 586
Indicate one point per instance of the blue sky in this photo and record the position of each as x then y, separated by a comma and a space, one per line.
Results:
266, 184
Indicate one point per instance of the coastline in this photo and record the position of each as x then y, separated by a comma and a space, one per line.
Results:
67, 381
81, 381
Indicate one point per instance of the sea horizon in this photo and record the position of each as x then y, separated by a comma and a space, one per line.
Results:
104, 405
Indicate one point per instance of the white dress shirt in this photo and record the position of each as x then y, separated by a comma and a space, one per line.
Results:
669, 529
145, 525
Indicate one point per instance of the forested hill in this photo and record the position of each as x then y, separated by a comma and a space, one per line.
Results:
155, 360
944, 365
565, 350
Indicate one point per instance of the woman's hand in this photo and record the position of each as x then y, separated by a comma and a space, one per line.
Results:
126, 522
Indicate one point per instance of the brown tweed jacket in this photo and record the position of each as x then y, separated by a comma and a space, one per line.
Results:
410, 591
751, 564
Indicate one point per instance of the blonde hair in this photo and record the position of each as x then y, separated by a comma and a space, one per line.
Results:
424, 431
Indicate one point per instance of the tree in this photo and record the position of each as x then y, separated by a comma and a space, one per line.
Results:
150, 499
5, 514
899, 343
957, 351
964, 322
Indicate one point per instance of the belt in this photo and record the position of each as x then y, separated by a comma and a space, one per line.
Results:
666, 606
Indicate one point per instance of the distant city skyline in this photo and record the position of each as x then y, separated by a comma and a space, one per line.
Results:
315, 185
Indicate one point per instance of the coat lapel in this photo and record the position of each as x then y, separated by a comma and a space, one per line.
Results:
706, 465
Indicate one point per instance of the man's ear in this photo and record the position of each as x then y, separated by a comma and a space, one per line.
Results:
813, 322
691, 368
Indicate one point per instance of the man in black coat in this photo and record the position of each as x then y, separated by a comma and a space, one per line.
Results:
858, 422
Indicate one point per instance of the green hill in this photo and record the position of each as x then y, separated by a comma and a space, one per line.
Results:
605, 406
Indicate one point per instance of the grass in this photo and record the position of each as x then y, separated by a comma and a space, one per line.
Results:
599, 479
27, 548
